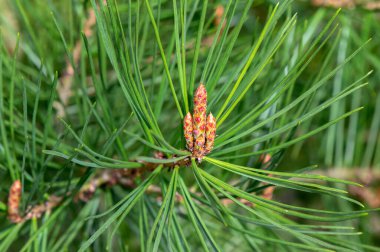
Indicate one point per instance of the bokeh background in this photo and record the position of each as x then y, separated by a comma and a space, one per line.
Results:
349, 149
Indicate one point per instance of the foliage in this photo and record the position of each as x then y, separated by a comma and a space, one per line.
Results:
115, 160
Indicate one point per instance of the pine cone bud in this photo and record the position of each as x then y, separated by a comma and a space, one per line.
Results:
199, 119
210, 133
188, 131
14, 199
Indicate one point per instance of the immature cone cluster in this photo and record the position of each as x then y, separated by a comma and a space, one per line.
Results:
199, 131
14, 199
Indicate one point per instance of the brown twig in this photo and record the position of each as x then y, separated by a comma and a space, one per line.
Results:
362, 175
374, 5
370, 194
334, 3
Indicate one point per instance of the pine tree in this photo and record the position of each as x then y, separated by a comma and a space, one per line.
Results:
163, 126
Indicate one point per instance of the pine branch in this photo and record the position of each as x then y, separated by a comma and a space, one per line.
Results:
106, 178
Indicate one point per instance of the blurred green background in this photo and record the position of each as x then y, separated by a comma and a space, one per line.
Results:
349, 149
